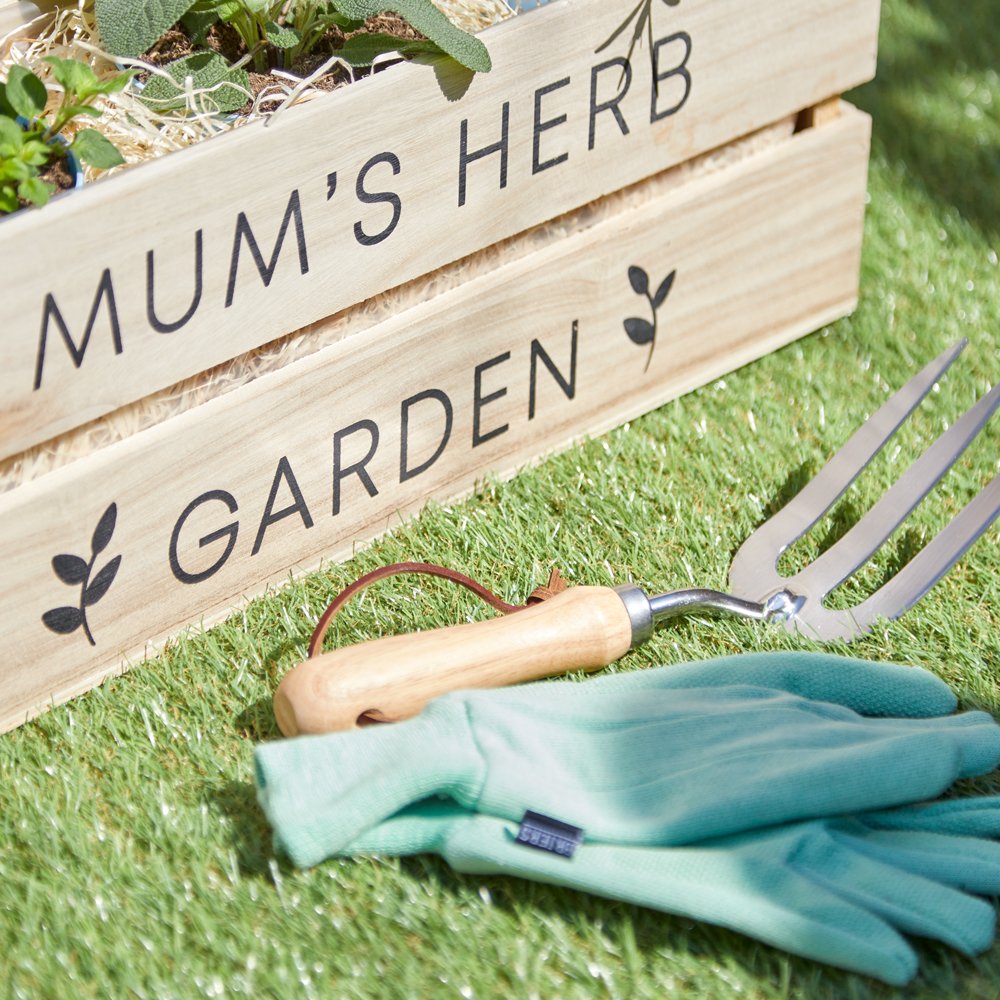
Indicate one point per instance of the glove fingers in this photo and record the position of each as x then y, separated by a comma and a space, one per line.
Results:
972, 817
909, 902
807, 776
714, 884
967, 863
976, 735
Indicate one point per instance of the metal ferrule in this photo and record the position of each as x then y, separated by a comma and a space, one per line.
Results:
639, 612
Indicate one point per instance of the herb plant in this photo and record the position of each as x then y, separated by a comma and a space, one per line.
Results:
286, 29
259, 23
30, 140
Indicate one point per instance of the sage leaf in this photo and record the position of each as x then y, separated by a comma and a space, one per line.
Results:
464, 48
128, 28
362, 50
102, 582
63, 620
639, 280
664, 290
639, 331
26, 94
70, 569
228, 88
281, 38
94, 149
197, 22
104, 530
228, 9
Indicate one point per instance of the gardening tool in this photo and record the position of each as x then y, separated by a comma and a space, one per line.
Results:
585, 628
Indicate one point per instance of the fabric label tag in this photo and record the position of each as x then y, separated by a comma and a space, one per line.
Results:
547, 834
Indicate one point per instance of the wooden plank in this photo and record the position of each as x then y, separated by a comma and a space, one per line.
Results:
14, 16
306, 462
131, 285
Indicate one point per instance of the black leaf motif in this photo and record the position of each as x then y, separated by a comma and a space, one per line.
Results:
639, 331
100, 584
63, 620
664, 290
75, 570
639, 280
104, 530
69, 568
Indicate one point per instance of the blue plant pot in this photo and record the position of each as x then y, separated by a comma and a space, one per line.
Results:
73, 164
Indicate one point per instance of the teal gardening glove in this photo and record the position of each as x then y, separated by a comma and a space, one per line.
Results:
658, 757
836, 890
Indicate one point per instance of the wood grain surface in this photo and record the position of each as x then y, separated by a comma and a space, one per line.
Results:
179, 523
180, 264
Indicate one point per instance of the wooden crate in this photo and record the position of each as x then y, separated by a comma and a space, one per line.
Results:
509, 335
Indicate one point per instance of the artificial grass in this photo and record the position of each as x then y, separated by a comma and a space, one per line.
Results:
133, 858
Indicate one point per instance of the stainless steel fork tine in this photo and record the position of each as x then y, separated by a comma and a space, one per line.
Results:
754, 567
858, 544
931, 563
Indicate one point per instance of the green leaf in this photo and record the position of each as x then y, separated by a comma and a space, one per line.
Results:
35, 190
76, 77
207, 70
428, 20
128, 28
228, 9
11, 137
17, 169
6, 111
281, 38
36, 152
8, 199
361, 50
113, 84
96, 149
73, 110
333, 18
197, 22
26, 94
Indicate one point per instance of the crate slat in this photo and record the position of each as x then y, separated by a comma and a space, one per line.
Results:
133, 285
275, 476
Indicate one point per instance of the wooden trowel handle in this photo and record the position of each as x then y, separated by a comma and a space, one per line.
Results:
385, 680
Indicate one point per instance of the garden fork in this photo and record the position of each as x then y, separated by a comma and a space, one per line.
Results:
588, 627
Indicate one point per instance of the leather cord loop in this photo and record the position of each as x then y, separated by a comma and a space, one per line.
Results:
555, 585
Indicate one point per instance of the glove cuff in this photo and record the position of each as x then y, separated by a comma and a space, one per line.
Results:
321, 792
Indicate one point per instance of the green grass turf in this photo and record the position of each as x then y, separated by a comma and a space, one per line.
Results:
133, 858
